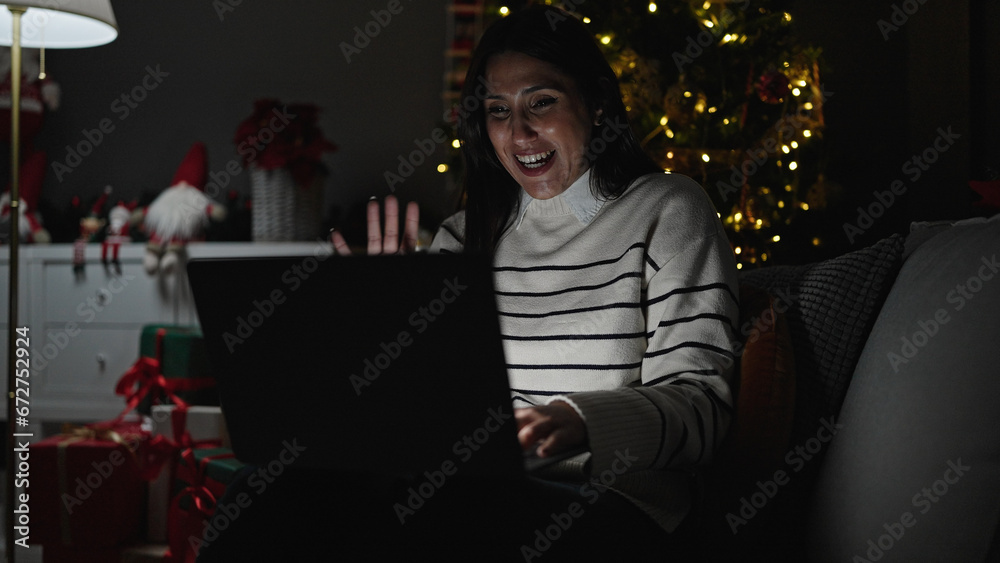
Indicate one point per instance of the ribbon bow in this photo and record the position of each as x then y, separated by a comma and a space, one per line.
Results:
185, 527
145, 377
98, 431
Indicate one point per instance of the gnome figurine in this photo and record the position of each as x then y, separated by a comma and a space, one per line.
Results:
181, 213
117, 233
90, 225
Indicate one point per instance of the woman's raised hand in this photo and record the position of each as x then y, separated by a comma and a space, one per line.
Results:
389, 242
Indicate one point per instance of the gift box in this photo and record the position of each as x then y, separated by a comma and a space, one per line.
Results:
202, 477
138, 553
201, 423
91, 484
172, 367
56, 553
183, 350
145, 553
210, 468
186, 427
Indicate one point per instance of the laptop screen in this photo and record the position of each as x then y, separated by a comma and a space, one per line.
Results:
389, 364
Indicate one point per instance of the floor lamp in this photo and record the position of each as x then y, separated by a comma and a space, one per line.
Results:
44, 24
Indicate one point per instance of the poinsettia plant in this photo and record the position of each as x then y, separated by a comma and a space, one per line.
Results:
278, 135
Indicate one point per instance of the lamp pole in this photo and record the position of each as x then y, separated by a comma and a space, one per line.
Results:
15, 224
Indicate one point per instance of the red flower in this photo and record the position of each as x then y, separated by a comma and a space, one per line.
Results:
276, 135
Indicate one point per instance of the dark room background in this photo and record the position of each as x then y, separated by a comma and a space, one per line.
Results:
892, 95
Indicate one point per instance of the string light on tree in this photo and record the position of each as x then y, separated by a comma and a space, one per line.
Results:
725, 95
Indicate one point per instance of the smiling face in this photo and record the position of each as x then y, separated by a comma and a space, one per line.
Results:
538, 123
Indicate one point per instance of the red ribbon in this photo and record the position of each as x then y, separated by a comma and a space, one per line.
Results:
178, 422
185, 524
145, 377
157, 453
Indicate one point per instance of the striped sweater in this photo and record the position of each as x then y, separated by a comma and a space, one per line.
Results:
626, 309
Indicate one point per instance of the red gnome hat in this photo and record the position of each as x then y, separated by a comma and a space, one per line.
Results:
98, 206
194, 169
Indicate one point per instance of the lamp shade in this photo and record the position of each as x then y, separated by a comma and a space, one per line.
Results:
61, 24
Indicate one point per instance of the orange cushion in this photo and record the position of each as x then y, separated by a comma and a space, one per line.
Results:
765, 395
759, 437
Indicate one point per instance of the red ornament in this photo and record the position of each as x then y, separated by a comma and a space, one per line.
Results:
772, 87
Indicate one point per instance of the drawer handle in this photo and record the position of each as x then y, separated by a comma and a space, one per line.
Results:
102, 360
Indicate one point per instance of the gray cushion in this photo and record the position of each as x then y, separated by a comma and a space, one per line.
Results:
914, 473
831, 307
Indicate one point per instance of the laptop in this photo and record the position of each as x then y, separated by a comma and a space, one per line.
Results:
386, 365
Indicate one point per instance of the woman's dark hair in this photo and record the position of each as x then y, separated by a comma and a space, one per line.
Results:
556, 37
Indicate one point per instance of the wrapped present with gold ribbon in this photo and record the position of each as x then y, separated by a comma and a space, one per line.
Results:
55, 553
91, 483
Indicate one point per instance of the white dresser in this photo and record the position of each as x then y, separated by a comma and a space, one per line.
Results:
85, 330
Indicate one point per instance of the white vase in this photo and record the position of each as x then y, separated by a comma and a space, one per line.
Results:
282, 210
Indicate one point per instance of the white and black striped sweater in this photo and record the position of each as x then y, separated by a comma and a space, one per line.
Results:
626, 309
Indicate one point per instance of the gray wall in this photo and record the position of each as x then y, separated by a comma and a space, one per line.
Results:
893, 90
219, 63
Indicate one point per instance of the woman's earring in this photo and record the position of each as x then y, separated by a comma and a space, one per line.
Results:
599, 118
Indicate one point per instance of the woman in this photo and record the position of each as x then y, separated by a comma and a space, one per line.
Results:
615, 282
629, 267
617, 294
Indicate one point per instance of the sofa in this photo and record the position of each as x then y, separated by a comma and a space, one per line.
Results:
867, 424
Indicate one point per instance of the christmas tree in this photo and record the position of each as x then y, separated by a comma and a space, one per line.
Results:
722, 91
